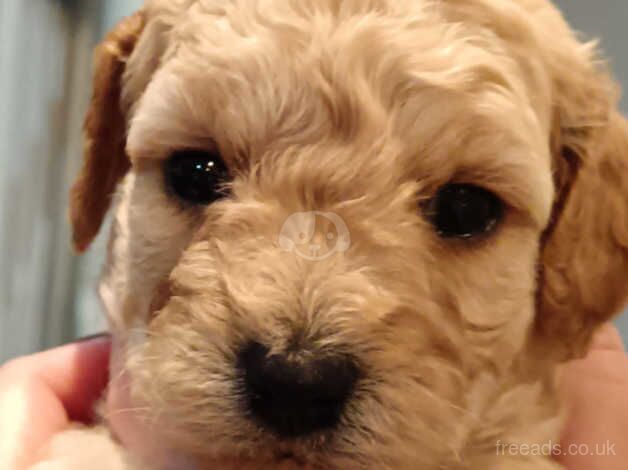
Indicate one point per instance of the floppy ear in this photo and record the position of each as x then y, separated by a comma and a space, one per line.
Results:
584, 258
105, 160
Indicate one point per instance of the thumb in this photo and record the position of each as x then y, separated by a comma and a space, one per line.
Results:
595, 392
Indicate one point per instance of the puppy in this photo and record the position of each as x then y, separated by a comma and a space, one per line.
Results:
348, 234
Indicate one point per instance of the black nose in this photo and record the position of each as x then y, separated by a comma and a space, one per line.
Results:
294, 397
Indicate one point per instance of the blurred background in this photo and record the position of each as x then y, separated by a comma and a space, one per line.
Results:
47, 294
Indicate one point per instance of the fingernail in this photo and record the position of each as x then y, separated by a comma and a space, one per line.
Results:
84, 339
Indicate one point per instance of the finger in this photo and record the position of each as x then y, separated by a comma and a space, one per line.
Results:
595, 392
597, 422
607, 338
75, 374
39, 394
31, 415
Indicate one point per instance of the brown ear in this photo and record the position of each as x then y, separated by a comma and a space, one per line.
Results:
585, 252
105, 160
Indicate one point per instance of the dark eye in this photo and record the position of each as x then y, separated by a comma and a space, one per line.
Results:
464, 211
197, 176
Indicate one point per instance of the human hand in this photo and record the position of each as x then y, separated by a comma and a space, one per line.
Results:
40, 395
596, 388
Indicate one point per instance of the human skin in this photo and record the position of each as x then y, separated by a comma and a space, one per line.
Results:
41, 395
596, 390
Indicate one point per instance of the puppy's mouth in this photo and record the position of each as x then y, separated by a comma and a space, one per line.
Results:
280, 461
289, 458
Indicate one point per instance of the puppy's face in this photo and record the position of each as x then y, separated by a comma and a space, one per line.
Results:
327, 248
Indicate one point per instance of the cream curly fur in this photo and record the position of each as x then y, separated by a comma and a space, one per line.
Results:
362, 108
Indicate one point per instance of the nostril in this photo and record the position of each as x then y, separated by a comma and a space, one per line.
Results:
295, 397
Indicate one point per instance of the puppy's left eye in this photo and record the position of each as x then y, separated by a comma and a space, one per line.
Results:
464, 211
197, 176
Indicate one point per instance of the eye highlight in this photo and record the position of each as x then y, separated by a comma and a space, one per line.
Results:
464, 211
196, 176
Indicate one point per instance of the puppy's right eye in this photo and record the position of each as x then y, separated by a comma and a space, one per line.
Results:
197, 176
